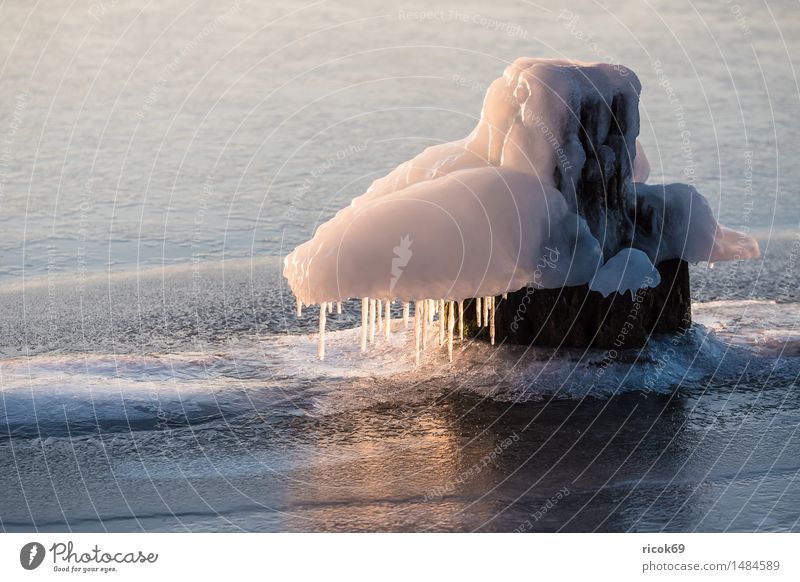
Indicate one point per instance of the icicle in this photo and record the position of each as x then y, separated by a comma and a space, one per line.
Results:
372, 320
299, 308
364, 322
505, 296
406, 308
491, 317
387, 324
330, 306
338, 308
441, 322
485, 304
451, 321
321, 345
478, 311
430, 310
461, 320
426, 304
379, 314
417, 329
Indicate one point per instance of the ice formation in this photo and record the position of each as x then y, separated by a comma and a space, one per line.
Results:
626, 272
675, 221
498, 210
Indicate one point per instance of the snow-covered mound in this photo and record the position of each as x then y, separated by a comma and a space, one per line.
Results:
474, 217
507, 206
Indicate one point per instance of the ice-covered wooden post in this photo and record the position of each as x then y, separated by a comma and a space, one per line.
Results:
542, 211
604, 194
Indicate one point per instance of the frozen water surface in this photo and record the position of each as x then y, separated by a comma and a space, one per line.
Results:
154, 375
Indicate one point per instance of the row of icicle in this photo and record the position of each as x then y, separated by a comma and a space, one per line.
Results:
376, 315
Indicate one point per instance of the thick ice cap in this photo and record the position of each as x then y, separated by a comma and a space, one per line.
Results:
474, 217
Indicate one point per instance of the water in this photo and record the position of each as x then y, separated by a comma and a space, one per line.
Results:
157, 162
